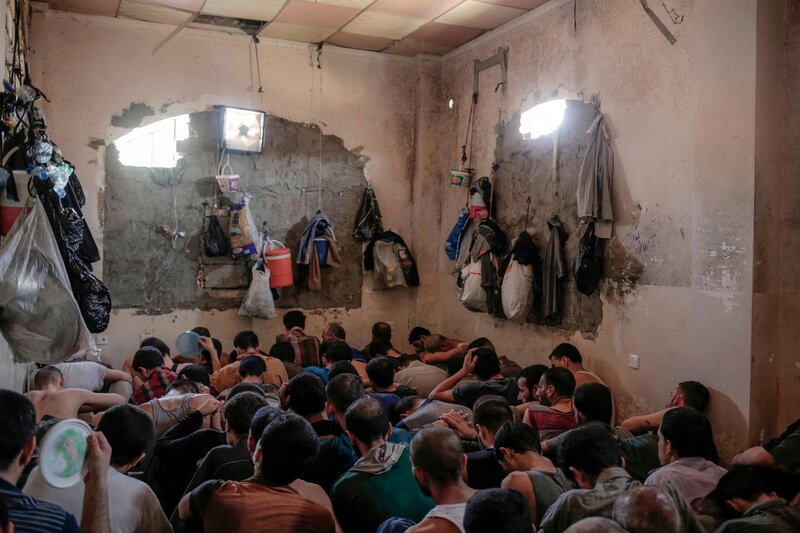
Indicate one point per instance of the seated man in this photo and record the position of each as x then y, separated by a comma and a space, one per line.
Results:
305, 396
380, 485
782, 452
486, 367
94, 377
687, 394
688, 455
528, 385
382, 330
381, 347
306, 347
761, 511
52, 400
518, 451
334, 332
594, 458
180, 399
231, 461
439, 462
134, 507
148, 367
246, 343
434, 349
413, 373
483, 469
265, 502
413, 412
381, 373
567, 356
555, 414
334, 352
284, 352
646, 510
498, 511
17, 446
252, 369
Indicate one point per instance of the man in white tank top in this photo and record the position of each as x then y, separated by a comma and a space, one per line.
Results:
439, 462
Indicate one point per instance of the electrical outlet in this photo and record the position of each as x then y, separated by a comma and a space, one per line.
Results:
101, 339
633, 361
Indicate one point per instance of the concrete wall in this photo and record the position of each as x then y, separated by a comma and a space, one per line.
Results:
682, 119
93, 68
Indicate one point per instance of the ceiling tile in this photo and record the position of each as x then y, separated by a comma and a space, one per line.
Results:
480, 15
316, 14
186, 5
521, 4
410, 47
358, 4
424, 9
360, 42
106, 8
381, 24
245, 9
151, 13
296, 32
445, 34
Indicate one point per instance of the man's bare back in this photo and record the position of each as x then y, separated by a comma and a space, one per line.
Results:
68, 403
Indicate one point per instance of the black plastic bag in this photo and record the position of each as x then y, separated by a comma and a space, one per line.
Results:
215, 242
588, 266
368, 220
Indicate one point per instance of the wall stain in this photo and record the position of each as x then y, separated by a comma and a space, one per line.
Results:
133, 115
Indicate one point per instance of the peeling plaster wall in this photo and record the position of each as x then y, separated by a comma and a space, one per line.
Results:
682, 121
93, 68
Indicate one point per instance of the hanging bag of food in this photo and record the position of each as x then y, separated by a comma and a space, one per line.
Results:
243, 231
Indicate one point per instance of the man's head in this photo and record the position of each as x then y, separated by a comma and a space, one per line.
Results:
438, 458
334, 332
49, 376
335, 352
587, 451
382, 329
498, 511
286, 449
556, 383
491, 413
512, 443
158, 344
17, 426
367, 423
565, 355
203, 332
487, 365
406, 359
595, 524
378, 347
416, 337
528, 383
239, 412
685, 432
145, 360
179, 387
593, 403
381, 373
260, 420
646, 510
240, 388
246, 342
342, 391
342, 367
282, 351
690, 394
294, 319
742, 488
407, 406
196, 374
305, 394
252, 369
481, 342
130, 432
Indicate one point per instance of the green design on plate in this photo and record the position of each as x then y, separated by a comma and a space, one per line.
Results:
70, 449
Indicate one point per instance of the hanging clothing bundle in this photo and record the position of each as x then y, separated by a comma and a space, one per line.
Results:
368, 220
594, 180
317, 249
522, 278
488, 244
392, 263
554, 271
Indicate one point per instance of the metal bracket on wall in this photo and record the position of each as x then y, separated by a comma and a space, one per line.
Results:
499, 58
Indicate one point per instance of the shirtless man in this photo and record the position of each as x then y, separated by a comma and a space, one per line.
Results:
52, 400
686, 394
181, 399
567, 356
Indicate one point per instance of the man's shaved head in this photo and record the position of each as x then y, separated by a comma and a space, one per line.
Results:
438, 452
595, 524
646, 510
49, 375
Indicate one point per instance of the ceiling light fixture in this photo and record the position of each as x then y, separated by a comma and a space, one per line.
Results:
542, 119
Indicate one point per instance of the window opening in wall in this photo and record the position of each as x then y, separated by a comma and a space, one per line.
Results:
154, 145
542, 119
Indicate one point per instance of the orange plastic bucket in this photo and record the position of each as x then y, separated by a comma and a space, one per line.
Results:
279, 262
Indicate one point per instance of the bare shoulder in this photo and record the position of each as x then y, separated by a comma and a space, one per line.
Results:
434, 525
516, 480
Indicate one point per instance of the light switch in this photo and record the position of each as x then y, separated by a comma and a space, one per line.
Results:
101, 339
633, 361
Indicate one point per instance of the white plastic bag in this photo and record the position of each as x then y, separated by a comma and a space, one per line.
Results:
517, 290
258, 302
473, 296
39, 317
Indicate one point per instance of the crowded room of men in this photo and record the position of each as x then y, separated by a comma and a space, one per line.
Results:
400, 266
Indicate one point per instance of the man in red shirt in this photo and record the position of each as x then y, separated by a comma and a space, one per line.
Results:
148, 365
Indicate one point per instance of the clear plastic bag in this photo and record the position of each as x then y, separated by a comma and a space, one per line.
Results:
39, 317
258, 302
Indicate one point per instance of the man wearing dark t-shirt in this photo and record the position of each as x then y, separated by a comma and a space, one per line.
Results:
305, 395
485, 365
483, 469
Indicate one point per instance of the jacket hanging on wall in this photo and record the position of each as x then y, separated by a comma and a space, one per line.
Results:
594, 180
555, 272
390, 259
488, 244
368, 220
319, 227
588, 266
